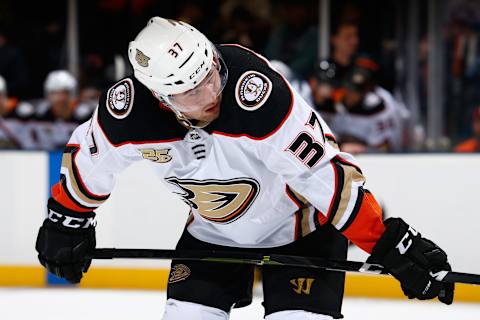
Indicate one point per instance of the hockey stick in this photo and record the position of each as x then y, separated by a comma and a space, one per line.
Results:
260, 259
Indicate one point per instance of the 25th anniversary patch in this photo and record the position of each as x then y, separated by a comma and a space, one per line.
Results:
252, 90
120, 99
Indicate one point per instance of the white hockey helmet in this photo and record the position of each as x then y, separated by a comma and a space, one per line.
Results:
60, 80
171, 57
3, 86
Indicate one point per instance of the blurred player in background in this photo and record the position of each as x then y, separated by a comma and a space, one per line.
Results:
323, 86
258, 167
362, 115
472, 144
59, 113
15, 119
345, 42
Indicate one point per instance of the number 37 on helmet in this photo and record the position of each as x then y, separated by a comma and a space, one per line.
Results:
173, 60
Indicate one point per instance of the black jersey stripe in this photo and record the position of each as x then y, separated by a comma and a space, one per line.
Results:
339, 159
339, 182
300, 203
73, 150
347, 174
356, 209
63, 181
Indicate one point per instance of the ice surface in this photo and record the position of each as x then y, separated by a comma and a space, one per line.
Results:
82, 304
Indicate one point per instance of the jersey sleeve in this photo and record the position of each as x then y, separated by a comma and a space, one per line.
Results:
89, 166
305, 153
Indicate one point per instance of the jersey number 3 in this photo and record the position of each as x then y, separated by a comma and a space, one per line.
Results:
305, 148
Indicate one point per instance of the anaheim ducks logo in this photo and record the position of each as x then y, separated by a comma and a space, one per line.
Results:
141, 58
252, 90
221, 201
178, 273
120, 99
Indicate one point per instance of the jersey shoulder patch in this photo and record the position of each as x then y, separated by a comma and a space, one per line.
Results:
128, 113
256, 99
252, 90
120, 98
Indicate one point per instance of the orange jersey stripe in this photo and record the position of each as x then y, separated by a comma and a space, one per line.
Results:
59, 194
368, 226
321, 217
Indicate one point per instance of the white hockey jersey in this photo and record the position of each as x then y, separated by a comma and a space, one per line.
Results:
377, 121
265, 173
15, 126
51, 132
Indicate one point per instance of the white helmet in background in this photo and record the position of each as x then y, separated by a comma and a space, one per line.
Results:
60, 80
283, 69
171, 57
3, 86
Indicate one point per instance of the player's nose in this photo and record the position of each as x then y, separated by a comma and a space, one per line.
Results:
210, 92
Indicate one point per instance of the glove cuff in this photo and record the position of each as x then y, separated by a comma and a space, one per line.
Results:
64, 217
395, 231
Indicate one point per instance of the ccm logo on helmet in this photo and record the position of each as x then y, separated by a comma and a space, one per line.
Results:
198, 70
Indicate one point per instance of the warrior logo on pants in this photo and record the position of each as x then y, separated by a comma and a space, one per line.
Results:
302, 285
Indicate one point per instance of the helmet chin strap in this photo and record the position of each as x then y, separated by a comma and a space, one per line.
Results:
184, 121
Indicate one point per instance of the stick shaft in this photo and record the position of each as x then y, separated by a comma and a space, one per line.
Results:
266, 259
238, 257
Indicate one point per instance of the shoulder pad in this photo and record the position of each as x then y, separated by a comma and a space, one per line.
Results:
83, 111
43, 110
372, 104
25, 109
256, 99
371, 100
129, 113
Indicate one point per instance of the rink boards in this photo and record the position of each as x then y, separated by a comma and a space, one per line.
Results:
438, 194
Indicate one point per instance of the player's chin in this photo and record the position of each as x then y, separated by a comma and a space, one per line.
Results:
210, 117
211, 113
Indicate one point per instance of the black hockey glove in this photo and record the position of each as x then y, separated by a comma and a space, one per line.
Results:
411, 259
66, 241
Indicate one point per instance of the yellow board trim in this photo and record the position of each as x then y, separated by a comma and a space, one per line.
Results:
387, 287
22, 276
156, 279
356, 285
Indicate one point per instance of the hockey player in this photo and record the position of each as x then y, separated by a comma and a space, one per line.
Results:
15, 120
59, 113
363, 116
323, 85
259, 168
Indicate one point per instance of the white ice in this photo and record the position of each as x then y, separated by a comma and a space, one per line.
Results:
82, 304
